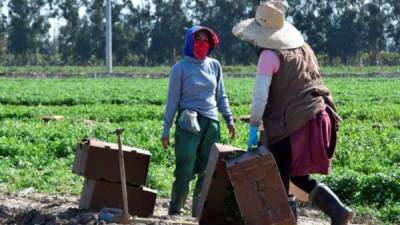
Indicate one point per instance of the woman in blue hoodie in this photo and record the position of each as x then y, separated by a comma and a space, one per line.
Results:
196, 84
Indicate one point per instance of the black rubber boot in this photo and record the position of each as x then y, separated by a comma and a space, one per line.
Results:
174, 212
175, 207
329, 203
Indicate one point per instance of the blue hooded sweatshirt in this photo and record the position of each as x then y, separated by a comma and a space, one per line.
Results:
196, 85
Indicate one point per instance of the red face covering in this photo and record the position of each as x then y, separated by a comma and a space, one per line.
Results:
200, 48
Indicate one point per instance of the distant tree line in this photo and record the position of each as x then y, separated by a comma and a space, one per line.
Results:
355, 32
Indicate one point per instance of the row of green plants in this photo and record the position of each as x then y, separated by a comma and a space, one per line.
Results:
366, 169
79, 91
78, 70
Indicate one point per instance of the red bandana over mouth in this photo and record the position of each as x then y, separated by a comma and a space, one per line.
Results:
201, 48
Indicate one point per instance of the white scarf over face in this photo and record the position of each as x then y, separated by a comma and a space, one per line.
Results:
260, 98
268, 64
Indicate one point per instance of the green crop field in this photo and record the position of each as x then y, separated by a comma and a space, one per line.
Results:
165, 69
366, 169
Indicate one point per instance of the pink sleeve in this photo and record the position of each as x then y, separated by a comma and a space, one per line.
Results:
268, 63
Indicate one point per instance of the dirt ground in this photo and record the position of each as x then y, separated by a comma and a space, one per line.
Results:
27, 207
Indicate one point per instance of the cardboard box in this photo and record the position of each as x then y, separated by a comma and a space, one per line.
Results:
211, 208
97, 194
99, 160
259, 190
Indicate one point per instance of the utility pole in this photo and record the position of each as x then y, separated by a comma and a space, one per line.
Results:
108, 37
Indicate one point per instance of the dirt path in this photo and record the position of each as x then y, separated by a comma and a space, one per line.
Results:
32, 208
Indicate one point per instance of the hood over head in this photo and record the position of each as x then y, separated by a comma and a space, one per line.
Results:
189, 39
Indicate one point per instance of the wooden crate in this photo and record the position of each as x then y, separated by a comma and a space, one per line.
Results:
259, 190
211, 208
99, 160
97, 194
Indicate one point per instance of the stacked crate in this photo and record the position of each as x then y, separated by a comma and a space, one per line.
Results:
257, 187
97, 161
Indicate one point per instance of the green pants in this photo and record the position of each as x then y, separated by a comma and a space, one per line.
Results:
192, 152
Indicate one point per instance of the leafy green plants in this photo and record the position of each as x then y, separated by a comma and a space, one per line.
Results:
40, 155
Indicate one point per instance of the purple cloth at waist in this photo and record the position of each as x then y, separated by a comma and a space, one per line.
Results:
310, 146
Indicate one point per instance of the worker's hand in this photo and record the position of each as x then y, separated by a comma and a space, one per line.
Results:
165, 142
232, 131
253, 137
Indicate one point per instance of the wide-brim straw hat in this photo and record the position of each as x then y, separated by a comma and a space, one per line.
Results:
269, 29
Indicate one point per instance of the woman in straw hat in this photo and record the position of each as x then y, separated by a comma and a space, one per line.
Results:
195, 84
296, 108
